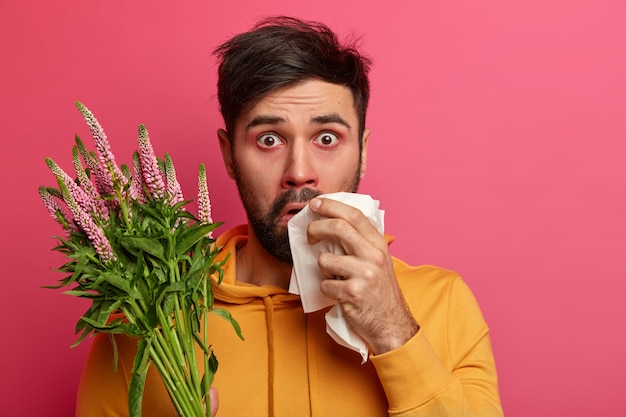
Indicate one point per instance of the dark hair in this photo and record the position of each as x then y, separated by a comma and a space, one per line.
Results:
279, 52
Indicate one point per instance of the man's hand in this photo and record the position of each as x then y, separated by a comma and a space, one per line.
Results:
214, 401
362, 280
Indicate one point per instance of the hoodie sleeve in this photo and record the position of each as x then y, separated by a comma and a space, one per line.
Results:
455, 376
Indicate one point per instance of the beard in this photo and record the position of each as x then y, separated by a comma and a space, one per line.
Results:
275, 238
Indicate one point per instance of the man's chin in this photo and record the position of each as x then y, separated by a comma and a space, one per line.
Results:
278, 245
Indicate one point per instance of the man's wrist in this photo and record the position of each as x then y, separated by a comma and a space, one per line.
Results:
396, 338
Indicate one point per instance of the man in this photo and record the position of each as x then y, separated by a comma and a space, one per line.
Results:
294, 103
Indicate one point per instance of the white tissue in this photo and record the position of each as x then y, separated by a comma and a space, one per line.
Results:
306, 276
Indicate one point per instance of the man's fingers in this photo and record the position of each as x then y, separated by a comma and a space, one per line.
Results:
336, 232
214, 401
332, 209
341, 274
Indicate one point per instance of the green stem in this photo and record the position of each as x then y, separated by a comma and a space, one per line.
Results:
170, 342
124, 208
179, 391
190, 350
170, 331
183, 333
171, 366
205, 322
176, 381
172, 389
184, 324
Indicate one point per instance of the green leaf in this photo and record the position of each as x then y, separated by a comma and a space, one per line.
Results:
115, 352
190, 239
117, 281
82, 337
131, 329
169, 303
201, 344
151, 246
80, 293
150, 317
198, 266
138, 379
80, 265
225, 314
209, 374
113, 327
176, 286
100, 311
146, 209
213, 364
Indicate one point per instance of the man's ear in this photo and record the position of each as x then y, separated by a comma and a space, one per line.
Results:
227, 152
364, 141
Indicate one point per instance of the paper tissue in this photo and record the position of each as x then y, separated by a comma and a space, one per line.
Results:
306, 275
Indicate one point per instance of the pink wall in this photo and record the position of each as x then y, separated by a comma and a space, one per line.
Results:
498, 148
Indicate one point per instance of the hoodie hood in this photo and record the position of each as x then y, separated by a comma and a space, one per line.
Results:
236, 292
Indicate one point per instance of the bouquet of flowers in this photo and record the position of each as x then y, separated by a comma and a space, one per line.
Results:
143, 261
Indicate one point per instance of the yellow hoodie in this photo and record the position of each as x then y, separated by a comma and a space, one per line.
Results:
288, 365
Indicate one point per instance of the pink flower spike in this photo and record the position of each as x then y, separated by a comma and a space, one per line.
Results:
95, 234
204, 203
174, 190
136, 185
103, 181
107, 159
149, 166
86, 184
83, 199
55, 209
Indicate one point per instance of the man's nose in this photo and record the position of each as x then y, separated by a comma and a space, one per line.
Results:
300, 168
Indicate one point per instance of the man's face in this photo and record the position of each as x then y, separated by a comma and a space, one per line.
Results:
296, 143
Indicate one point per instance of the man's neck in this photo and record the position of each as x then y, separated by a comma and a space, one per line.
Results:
256, 266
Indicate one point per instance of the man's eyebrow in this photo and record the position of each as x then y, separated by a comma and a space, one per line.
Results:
264, 120
275, 120
331, 118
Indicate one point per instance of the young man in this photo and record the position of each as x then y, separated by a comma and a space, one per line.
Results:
294, 102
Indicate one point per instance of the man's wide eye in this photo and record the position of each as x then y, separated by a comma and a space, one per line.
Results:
327, 139
268, 140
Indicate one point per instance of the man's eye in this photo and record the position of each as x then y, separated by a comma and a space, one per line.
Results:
327, 139
268, 140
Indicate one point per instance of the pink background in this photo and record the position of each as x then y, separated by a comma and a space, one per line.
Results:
498, 147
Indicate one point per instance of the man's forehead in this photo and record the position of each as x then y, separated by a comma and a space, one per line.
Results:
314, 100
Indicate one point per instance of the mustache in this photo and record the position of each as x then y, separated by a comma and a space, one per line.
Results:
292, 196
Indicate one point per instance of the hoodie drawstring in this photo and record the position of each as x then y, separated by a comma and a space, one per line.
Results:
269, 316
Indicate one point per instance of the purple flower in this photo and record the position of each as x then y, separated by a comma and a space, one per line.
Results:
86, 184
149, 166
136, 185
55, 210
106, 157
88, 225
174, 190
102, 180
84, 200
204, 203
